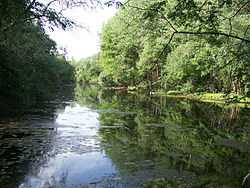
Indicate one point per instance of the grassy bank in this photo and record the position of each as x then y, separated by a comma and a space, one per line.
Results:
202, 96
212, 96
209, 97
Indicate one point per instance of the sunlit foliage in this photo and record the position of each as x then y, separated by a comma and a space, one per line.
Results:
184, 45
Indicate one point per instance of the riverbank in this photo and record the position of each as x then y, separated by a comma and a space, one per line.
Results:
207, 97
201, 96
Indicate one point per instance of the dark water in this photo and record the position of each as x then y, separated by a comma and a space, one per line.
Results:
95, 138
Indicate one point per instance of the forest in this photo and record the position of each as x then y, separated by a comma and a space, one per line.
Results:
188, 46
154, 45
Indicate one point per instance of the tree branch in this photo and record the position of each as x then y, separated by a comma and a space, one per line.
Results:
192, 33
153, 10
229, 62
213, 33
157, 60
239, 9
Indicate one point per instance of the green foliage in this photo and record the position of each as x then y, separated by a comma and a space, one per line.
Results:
17, 12
30, 68
180, 72
87, 70
186, 45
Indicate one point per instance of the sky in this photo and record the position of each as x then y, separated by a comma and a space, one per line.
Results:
82, 42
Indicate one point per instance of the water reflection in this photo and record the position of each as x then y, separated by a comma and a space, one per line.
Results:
76, 120
69, 169
184, 142
76, 156
102, 138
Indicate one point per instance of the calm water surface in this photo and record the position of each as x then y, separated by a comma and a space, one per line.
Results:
91, 137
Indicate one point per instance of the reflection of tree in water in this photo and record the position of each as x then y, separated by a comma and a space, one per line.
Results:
141, 132
24, 145
87, 95
26, 142
177, 134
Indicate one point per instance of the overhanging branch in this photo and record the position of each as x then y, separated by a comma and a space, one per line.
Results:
188, 33
157, 60
213, 33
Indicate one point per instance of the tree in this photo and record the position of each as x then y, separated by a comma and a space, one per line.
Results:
17, 12
212, 19
30, 68
87, 70
152, 34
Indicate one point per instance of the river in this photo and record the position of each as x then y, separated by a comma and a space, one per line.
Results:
92, 137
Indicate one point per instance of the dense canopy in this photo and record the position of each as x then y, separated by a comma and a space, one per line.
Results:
190, 45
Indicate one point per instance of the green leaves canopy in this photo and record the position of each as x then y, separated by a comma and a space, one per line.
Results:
146, 42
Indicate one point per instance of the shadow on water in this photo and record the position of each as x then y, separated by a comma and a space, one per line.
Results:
91, 137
